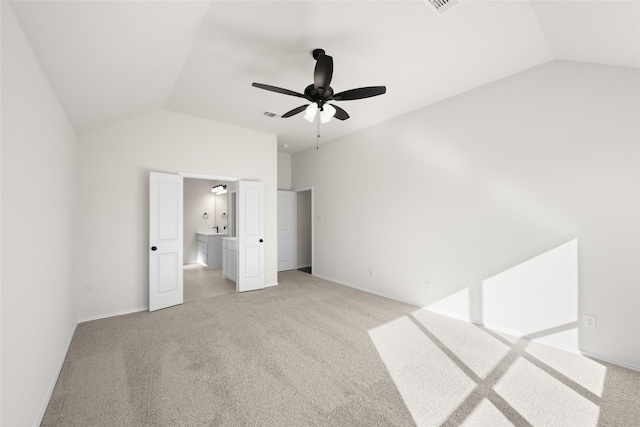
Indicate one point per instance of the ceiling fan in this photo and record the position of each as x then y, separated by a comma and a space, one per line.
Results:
320, 92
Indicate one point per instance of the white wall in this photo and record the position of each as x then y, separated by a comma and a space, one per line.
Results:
284, 171
39, 173
494, 181
113, 211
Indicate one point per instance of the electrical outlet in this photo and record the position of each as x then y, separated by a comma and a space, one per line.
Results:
372, 273
319, 218
589, 321
428, 286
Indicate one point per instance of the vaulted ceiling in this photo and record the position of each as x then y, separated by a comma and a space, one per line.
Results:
109, 61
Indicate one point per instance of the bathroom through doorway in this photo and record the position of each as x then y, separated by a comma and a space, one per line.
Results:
208, 218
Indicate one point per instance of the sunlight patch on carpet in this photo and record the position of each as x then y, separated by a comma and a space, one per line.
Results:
485, 414
586, 372
542, 399
476, 349
430, 384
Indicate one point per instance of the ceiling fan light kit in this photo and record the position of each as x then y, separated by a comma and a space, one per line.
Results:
320, 92
310, 112
327, 112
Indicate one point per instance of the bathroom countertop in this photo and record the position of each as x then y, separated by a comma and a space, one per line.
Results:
210, 232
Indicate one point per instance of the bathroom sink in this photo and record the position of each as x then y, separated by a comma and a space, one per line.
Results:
210, 232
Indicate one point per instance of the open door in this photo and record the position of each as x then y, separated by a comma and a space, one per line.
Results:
250, 236
165, 240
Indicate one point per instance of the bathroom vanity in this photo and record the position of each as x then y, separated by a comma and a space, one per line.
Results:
229, 258
209, 247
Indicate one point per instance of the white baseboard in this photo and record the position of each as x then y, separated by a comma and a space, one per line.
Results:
540, 340
371, 291
47, 398
117, 313
503, 330
488, 326
268, 285
449, 314
304, 266
613, 362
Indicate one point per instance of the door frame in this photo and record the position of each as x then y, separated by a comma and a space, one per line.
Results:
313, 227
208, 177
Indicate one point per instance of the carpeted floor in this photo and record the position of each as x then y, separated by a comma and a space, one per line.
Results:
309, 352
201, 282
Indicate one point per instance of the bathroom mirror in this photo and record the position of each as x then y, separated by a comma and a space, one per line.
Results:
221, 209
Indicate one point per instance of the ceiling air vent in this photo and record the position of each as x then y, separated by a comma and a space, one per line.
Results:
270, 114
441, 7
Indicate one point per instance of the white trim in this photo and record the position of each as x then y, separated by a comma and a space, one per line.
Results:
380, 294
117, 313
209, 177
467, 319
304, 266
613, 362
496, 328
47, 398
541, 340
268, 285
449, 314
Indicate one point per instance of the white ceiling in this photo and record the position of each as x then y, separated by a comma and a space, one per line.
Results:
109, 61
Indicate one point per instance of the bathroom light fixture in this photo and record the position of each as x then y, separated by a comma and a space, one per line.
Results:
219, 189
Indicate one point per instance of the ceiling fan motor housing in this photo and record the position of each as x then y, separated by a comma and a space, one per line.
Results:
314, 95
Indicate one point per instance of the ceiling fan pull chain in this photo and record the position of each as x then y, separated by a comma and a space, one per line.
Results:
318, 132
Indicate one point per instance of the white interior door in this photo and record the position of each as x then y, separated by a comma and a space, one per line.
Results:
250, 236
165, 240
287, 230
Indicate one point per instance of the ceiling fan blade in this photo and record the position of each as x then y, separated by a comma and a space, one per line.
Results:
295, 111
323, 72
360, 93
277, 89
340, 113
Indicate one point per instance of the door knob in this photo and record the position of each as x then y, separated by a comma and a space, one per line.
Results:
261, 240
153, 248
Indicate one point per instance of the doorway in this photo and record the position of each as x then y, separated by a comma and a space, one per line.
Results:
243, 255
208, 217
305, 229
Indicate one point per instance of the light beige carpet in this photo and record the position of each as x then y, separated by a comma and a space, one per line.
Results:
201, 282
313, 353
